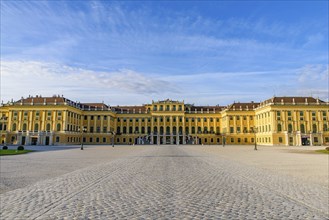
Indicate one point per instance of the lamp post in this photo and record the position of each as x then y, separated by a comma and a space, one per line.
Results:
113, 135
255, 131
82, 130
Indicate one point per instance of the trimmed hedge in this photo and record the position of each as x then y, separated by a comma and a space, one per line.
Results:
5, 148
327, 148
20, 147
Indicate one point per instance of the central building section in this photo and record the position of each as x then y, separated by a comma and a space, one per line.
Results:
168, 122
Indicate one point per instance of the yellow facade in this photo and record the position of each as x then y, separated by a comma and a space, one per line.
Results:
60, 121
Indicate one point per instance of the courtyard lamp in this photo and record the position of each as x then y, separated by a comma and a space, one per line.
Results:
113, 136
255, 131
83, 130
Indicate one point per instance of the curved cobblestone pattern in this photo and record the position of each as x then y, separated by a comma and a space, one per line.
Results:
167, 183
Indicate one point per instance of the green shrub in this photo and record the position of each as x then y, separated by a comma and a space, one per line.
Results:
327, 148
5, 148
20, 147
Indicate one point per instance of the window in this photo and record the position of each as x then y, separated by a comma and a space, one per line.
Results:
186, 119
91, 129
246, 140
280, 140
98, 129
316, 139
231, 118
325, 127
104, 129
92, 117
279, 128
98, 117
57, 139
58, 127
104, 140
238, 130
199, 119
237, 117
105, 117
251, 117
217, 119
97, 139
130, 120
14, 127
180, 119
302, 128
289, 128
91, 139
231, 129
239, 140
232, 140
314, 128
85, 117
36, 127
211, 120
48, 127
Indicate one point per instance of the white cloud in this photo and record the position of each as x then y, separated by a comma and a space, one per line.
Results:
22, 78
33, 77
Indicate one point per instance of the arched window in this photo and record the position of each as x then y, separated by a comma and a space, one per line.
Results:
161, 130
58, 128
289, 128
124, 130
14, 127
168, 130
186, 130
174, 130
279, 128
143, 130
155, 129
193, 130
48, 127
118, 130
205, 129
180, 130
130, 130
302, 128
24, 127
36, 127
325, 127
314, 128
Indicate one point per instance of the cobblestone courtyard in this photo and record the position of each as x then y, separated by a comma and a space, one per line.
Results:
165, 182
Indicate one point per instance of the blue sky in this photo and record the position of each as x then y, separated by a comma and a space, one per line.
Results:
133, 52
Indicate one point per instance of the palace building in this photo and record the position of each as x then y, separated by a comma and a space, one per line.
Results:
59, 121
